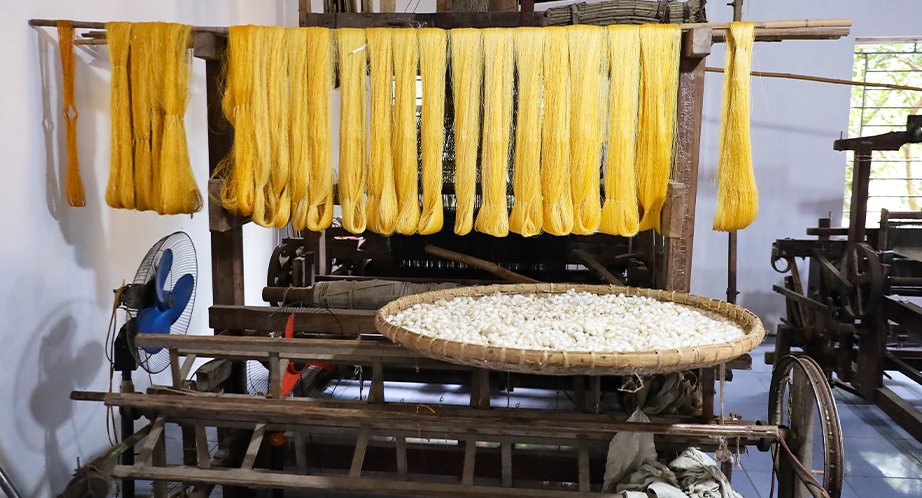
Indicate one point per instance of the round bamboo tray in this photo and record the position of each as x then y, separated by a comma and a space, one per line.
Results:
574, 363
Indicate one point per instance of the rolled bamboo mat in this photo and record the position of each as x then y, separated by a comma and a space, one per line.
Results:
574, 363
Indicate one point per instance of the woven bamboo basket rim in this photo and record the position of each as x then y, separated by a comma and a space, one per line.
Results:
573, 362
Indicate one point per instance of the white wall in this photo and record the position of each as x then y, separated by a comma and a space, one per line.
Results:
59, 265
794, 123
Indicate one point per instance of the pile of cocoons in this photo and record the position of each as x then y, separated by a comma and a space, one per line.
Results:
570, 321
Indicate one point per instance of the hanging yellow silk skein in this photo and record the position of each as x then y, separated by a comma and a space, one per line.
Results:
406, 171
493, 217
381, 209
237, 169
352, 77
467, 78
143, 83
432, 66
260, 131
737, 193
619, 212
587, 125
527, 216
120, 189
73, 185
659, 81
298, 143
555, 137
319, 128
278, 194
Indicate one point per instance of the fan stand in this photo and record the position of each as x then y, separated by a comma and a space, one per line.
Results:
123, 361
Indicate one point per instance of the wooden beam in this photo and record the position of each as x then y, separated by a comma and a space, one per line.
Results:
507, 464
156, 430
212, 375
673, 214
582, 452
253, 449
596, 268
401, 443
358, 457
696, 42
319, 320
495, 269
470, 454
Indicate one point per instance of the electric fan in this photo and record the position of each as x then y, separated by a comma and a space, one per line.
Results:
160, 299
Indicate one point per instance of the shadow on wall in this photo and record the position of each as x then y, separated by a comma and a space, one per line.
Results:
57, 361
765, 305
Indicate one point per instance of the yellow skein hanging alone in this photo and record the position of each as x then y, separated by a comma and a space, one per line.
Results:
406, 170
278, 195
432, 66
141, 55
737, 194
466, 79
179, 194
659, 82
120, 189
493, 218
587, 53
73, 187
527, 216
555, 137
298, 142
352, 76
381, 209
319, 128
237, 169
619, 213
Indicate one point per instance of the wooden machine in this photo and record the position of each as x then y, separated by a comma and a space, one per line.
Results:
382, 445
850, 314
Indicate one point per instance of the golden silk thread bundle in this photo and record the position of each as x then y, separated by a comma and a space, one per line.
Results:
381, 209
120, 189
659, 80
299, 155
141, 75
319, 129
155, 70
619, 212
555, 137
527, 217
352, 72
73, 185
256, 128
466, 79
178, 191
278, 195
237, 169
737, 193
406, 171
432, 67
587, 127
493, 217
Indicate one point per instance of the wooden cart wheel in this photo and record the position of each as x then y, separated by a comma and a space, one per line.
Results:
799, 397
866, 274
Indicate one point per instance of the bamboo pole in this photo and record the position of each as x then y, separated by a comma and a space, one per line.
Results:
821, 79
499, 271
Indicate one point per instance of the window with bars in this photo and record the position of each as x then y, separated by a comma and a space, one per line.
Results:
896, 176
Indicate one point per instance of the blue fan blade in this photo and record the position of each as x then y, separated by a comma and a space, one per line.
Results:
163, 270
154, 321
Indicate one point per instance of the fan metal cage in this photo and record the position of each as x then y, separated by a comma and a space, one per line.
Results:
184, 261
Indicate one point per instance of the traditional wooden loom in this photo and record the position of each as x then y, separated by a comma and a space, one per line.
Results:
518, 452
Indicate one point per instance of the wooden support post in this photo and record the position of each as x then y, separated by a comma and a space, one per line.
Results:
401, 443
595, 393
175, 368
470, 455
156, 431
707, 379
485, 390
579, 393
506, 463
158, 459
358, 458
300, 453
275, 376
582, 450
253, 449
376, 392
201, 445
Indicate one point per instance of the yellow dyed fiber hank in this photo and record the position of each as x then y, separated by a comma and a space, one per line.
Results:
619, 212
737, 194
467, 79
352, 167
493, 217
405, 48
381, 209
527, 216
236, 168
298, 142
73, 187
659, 82
144, 82
179, 194
120, 189
319, 129
588, 52
555, 137
432, 67
278, 195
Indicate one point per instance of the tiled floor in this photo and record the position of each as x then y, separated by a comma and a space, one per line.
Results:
881, 459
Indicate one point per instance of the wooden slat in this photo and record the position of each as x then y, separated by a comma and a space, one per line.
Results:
275, 376
300, 453
255, 441
359, 456
320, 320
158, 459
596, 268
470, 455
582, 451
212, 374
401, 443
376, 393
201, 446
175, 368
507, 464
153, 436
